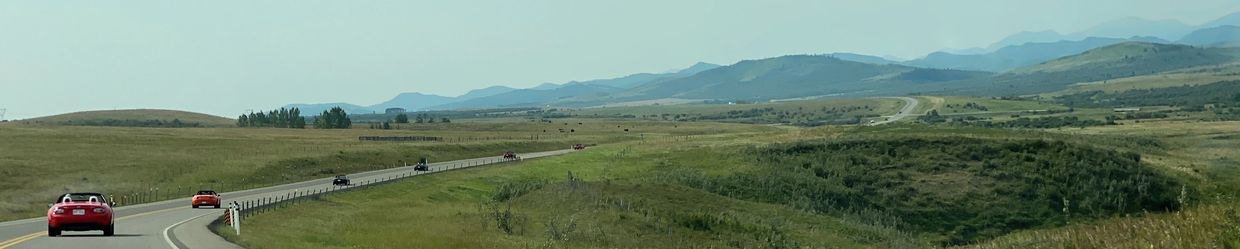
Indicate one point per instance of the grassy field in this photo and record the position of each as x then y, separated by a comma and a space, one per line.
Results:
788, 112
599, 198
42, 161
634, 195
1190, 76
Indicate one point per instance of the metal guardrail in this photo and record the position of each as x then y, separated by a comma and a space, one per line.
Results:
266, 204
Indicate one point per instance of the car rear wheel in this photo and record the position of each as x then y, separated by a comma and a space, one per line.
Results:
194, 206
217, 205
109, 231
53, 232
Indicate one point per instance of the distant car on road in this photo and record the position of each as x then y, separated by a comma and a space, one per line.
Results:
205, 198
341, 180
509, 155
80, 212
421, 166
579, 147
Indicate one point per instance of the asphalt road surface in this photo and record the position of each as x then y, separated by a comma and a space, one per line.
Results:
173, 224
909, 105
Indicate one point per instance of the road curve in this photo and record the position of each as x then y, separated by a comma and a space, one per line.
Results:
909, 105
173, 224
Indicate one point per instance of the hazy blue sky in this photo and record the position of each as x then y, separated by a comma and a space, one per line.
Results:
223, 57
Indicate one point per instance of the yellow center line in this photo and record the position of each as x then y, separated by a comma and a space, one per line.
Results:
18, 240
28, 237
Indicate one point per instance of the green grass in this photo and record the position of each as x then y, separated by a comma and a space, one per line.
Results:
1190, 76
1203, 227
958, 105
628, 196
799, 111
43, 161
614, 204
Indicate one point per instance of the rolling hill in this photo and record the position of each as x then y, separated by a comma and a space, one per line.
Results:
1111, 62
87, 117
1132, 58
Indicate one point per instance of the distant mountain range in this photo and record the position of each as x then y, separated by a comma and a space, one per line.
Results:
573, 91
1025, 62
1016, 56
1170, 30
794, 76
1121, 60
503, 96
1226, 35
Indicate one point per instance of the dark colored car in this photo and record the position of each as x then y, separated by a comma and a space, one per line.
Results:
579, 147
205, 198
421, 166
341, 180
80, 212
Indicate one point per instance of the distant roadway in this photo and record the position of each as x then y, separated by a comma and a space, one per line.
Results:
909, 105
173, 224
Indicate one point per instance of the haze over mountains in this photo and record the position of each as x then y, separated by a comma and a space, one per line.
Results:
1020, 63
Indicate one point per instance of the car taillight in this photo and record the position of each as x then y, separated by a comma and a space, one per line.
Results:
98, 210
59, 211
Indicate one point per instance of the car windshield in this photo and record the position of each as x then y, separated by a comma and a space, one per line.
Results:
81, 197
206, 192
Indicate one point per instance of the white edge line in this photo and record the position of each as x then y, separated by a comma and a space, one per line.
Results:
169, 229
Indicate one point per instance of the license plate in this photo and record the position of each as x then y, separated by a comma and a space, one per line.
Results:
79, 212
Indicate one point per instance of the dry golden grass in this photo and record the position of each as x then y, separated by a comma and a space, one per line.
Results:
1203, 227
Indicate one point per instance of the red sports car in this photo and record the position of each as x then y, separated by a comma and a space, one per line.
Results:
509, 155
80, 212
205, 198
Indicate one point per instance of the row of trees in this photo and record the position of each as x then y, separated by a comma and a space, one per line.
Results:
282, 118
336, 118
420, 118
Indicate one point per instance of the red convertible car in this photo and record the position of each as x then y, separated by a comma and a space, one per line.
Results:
80, 212
205, 198
509, 155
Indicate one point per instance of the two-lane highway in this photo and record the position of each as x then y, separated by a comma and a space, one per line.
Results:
909, 105
173, 224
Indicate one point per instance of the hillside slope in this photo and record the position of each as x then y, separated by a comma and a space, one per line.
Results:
1132, 58
135, 115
